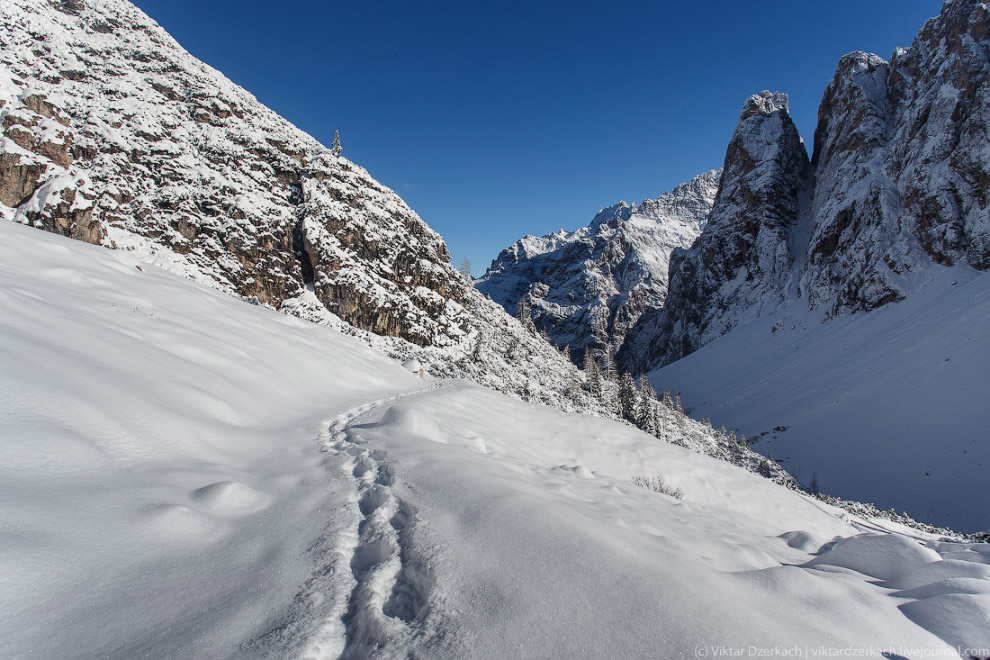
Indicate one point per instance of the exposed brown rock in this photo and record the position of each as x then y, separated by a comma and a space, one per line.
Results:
18, 180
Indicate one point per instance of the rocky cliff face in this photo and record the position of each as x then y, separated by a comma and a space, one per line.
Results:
115, 135
586, 288
901, 165
897, 186
743, 257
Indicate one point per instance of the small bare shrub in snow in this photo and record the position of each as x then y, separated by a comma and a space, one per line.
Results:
660, 485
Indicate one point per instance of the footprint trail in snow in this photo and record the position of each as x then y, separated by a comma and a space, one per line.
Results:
372, 586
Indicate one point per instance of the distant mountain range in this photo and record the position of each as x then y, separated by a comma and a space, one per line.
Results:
588, 287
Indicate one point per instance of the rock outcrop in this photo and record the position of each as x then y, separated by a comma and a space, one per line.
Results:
743, 258
902, 165
588, 287
898, 186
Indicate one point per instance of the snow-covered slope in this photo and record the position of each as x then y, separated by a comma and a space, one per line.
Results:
888, 407
184, 475
897, 192
586, 288
113, 134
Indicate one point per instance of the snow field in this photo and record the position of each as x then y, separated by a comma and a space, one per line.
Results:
185, 475
886, 407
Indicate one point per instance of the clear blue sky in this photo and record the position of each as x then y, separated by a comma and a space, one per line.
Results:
494, 120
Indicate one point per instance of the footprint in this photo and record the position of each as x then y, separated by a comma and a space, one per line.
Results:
386, 477
369, 554
361, 468
372, 500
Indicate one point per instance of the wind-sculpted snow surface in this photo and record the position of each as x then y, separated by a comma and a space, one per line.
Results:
898, 191
586, 288
184, 475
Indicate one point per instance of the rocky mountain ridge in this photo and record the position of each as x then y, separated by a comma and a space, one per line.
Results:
587, 287
897, 187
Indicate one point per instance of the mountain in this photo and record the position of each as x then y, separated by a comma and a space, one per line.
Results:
896, 191
184, 475
114, 135
587, 287
832, 307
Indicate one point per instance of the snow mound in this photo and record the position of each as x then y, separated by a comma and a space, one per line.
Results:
959, 618
883, 556
401, 419
229, 498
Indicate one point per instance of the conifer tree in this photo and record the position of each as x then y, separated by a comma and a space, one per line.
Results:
648, 417
335, 148
609, 372
524, 314
628, 397
465, 269
591, 374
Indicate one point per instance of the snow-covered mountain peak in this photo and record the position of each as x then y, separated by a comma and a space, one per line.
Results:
742, 258
587, 287
765, 104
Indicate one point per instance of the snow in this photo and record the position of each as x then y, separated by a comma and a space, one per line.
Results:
185, 475
150, 430
888, 407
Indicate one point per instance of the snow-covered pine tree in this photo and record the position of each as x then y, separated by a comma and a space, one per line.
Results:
592, 374
648, 416
465, 269
335, 148
524, 314
628, 397
609, 371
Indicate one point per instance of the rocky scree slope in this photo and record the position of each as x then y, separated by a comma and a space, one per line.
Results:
897, 187
586, 288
